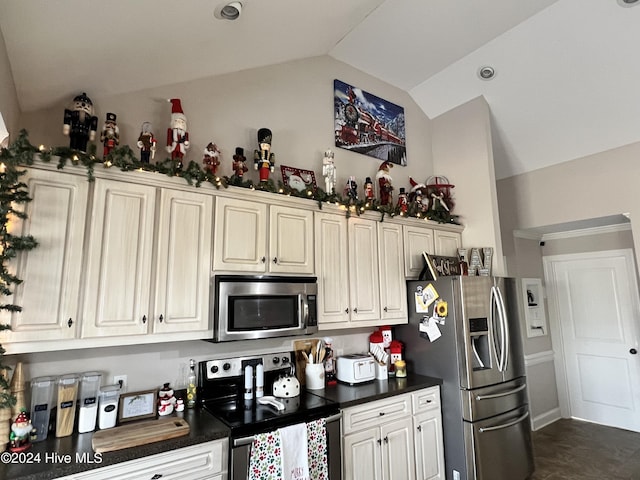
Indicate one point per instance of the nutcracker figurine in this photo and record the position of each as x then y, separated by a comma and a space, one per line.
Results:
211, 159
329, 172
110, 136
369, 194
146, 143
177, 134
263, 159
403, 202
351, 189
384, 183
239, 163
80, 124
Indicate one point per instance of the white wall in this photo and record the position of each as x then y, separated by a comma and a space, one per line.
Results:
462, 151
8, 97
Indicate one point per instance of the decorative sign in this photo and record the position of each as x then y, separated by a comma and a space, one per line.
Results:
137, 405
446, 266
297, 178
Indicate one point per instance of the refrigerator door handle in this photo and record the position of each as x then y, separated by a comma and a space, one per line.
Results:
492, 319
495, 302
503, 394
505, 425
505, 328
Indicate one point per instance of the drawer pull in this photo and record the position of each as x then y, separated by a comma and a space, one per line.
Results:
156, 476
381, 413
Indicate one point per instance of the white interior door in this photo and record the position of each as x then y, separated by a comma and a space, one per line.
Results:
595, 298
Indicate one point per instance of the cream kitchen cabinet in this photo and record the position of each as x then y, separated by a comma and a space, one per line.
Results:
393, 288
51, 272
447, 243
123, 271
418, 239
427, 423
378, 440
206, 461
255, 237
364, 276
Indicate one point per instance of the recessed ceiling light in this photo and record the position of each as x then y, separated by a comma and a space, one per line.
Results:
486, 72
228, 11
627, 3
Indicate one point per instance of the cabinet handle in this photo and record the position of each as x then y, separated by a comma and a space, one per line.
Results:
379, 442
144, 319
161, 318
386, 309
386, 439
419, 427
275, 259
263, 259
346, 310
156, 476
70, 322
355, 310
381, 413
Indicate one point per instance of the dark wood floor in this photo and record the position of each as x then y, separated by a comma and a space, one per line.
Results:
572, 449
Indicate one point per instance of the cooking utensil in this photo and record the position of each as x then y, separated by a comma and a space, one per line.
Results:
269, 400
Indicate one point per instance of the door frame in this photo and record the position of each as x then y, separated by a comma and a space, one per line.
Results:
557, 339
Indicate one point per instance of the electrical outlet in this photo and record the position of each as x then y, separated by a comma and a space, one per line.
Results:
120, 380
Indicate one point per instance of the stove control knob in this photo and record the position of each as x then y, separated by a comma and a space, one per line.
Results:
214, 369
285, 360
276, 360
226, 366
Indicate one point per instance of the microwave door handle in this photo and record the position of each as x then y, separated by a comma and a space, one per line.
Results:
304, 310
505, 328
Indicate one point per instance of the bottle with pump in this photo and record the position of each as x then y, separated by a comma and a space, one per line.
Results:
191, 384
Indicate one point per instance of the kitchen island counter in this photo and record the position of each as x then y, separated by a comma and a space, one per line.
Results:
351, 395
59, 457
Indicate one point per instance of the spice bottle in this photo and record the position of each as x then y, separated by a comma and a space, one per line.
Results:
191, 384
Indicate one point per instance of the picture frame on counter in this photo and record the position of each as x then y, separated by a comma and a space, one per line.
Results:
137, 406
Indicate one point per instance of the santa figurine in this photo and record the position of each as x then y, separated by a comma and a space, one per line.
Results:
146, 143
211, 159
20, 436
263, 159
80, 124
239, 163
110, 136
329, 172
417, 196
384, 184
177, 135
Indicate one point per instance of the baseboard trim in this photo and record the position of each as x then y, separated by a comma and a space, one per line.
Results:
545, 419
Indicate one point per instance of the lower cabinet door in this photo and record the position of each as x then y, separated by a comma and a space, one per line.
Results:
398, 458
429, 446
362, 455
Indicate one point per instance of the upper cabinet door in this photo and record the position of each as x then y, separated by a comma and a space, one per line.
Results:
447, 243
290, 240
333, 277
50, 272
363, 270
183, 262
120, 247
240, 235
393, 288
416, 241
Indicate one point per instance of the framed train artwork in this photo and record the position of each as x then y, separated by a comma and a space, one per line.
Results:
367, 124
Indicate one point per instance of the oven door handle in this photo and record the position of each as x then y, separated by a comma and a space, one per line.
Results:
239, 442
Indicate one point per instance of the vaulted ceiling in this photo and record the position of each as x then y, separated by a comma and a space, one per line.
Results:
566, 82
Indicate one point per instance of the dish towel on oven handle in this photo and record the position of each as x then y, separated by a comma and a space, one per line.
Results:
265, 459
317, 445
295, 453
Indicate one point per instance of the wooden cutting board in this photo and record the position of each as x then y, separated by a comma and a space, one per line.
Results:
139, 433
300, 346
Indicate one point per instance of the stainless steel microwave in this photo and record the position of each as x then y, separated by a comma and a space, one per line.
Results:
254, 307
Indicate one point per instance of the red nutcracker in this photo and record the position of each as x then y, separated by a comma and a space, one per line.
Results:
239, 163
146, 143
384, 183
403, 202
263, 159
211, 159
369, 194
110, 136
177, 135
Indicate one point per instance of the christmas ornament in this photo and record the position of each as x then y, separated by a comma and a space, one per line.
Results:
146, 143
110, 136
329, 172
384, 183
263, 159
177, 134
20, 436
239, 163
80, 124
211, 159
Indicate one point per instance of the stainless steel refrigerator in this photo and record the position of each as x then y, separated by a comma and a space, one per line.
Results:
479, 356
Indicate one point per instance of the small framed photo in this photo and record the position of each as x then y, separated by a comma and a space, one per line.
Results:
297, 178
425, 296
137, 405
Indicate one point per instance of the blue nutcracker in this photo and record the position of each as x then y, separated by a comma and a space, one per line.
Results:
80, 124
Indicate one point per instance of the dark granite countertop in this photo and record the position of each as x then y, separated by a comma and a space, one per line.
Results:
54, 452
351, 395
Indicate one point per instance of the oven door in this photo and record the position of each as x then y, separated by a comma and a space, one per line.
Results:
241, 449
248, 308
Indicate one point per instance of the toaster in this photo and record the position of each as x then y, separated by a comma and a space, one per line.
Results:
356, 368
